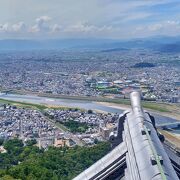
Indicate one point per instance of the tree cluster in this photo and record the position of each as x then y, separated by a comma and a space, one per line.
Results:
28, 162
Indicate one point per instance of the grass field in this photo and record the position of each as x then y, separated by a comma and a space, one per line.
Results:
159, 107
40, 107
148, 105
23, 104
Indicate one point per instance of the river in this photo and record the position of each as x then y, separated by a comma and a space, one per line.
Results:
75, 103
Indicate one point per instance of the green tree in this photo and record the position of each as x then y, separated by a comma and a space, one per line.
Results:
1, 142
31, 142
90, 111
54, 164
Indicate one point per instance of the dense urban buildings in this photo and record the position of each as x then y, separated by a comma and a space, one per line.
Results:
89, 89
88, 73
47, 128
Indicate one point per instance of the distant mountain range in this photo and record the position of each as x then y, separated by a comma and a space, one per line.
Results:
161, 44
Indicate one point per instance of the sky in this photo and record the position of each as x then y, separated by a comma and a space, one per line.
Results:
112, 19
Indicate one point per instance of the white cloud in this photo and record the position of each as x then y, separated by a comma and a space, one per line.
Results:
176, 23
85, 27
165, 26
11, 28
136, 16
41, 24
161, 28
80, 27
4, 27
118, 18
56, 28
34, 29
155, 27
19, 27
42, 19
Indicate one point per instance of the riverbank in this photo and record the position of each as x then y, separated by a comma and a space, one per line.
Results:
174, 139
172, 113
170, 137
39, 106
167, 109
25, 102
